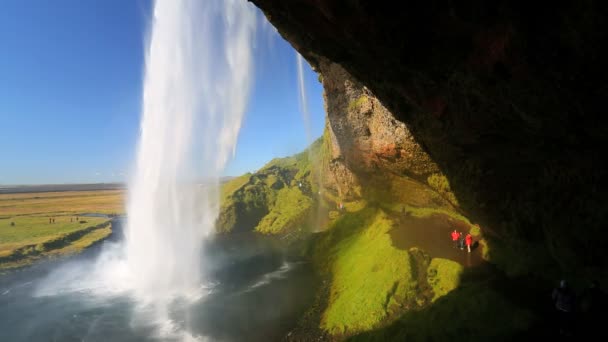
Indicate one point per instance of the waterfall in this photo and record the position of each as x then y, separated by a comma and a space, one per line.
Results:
198, 75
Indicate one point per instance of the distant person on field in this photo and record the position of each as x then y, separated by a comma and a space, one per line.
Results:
468, 240
455, 236
564, 300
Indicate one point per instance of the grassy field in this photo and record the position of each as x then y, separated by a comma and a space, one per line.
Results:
65, 202
30, 230
27, 235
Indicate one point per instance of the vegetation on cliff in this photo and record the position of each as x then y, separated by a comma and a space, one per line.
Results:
277, 199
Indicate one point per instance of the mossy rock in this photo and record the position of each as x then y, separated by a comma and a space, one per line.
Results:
443, 276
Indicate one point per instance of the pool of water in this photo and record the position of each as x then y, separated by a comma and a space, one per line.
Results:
251, 292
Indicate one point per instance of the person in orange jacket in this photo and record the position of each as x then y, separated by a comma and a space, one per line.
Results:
455, 238
468, 240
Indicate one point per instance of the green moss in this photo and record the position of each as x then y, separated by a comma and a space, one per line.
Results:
443, 276
273, 200
468, 313
393, 192
358, 103
371, 279
427, 212
475, 231
231, 186
291, 207
440, 183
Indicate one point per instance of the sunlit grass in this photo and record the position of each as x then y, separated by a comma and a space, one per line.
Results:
30, 230
66, 202
370, 277
443, 276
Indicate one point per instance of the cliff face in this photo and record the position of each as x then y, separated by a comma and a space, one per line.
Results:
365, 140
505, 97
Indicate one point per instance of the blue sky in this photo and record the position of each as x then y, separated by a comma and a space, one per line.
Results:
70, 91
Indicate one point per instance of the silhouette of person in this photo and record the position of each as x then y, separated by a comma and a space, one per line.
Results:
565, 303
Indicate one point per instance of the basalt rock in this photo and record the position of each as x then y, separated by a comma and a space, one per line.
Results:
506, 97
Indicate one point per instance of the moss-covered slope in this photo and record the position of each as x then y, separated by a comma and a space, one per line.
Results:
277, 199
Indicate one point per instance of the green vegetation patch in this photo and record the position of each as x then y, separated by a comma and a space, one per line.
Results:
31, 230
474, 312
47, 240
230, 187
358, 103
371, 279
273, 200
84, 242
443, 276
440, 183
291, 208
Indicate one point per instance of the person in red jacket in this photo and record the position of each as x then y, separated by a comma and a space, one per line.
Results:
455, 238
468, 240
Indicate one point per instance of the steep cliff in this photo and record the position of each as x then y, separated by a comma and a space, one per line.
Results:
506, 97
366, 139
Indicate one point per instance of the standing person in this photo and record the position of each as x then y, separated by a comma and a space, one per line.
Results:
468, 240
460, 240
565, 302
455, 236
49, 220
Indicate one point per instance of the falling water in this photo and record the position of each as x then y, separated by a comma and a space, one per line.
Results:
197, 81
303, 99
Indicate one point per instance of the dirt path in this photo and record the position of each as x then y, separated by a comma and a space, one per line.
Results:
432, 234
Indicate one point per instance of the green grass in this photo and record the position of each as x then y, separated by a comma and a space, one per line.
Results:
440, 183
474, 312
26, 234
270, 201
371, 279
443, 276
291, 207
30, 230
231, 186
84, 242
427, 212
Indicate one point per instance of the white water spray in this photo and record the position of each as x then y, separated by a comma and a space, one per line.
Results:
197, 80
303, 99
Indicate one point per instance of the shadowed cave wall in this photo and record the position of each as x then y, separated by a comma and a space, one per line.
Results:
506, 97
